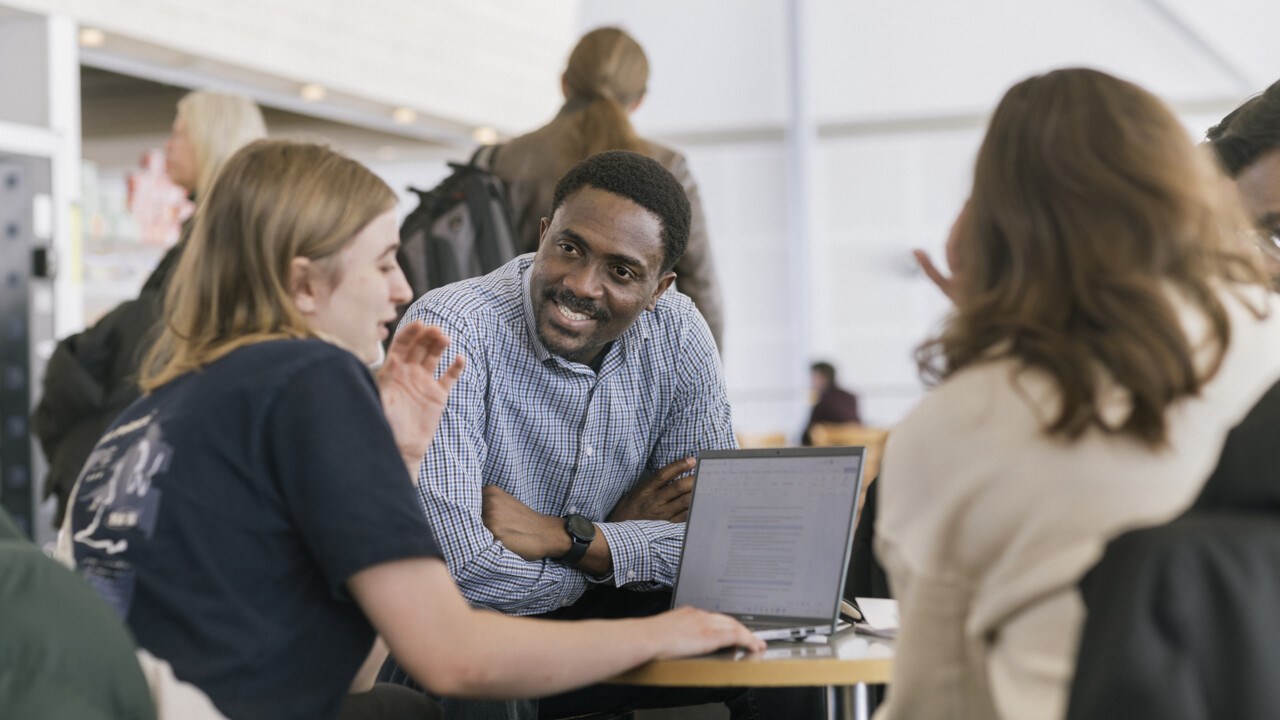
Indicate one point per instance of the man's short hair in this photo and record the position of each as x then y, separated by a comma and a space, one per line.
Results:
641, 180
1248, 132
826, 369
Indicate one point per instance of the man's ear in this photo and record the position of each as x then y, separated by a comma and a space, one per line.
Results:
635, 105
542, 230
663, 283
302, 281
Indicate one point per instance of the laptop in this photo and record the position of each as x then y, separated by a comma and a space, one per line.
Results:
768, 537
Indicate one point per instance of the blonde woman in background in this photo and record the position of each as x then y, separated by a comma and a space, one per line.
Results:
605, 81
1109, 329
91, 376
209, 128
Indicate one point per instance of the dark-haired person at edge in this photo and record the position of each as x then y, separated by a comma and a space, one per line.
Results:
605, 81
252, 517
831, 403
1247, 142
560, 477
1110, 328
92, 375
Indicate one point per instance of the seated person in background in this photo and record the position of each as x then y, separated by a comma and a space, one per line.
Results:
560, 474
1247, 142
832, 403
252, 516
1109, 331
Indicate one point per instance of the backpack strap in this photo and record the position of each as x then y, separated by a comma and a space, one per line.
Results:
484, 155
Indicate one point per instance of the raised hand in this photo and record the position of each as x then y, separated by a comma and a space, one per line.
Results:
413, 398
663, 496
946, 283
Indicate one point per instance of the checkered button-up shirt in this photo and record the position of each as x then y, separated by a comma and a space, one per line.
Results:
561, 437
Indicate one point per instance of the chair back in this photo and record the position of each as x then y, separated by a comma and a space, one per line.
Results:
843, 434
1181, 623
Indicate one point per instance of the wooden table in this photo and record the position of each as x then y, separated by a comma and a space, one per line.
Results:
845, 665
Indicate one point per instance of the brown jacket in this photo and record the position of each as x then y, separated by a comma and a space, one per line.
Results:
531, 165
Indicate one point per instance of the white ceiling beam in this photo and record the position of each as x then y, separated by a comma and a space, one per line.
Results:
1204, 45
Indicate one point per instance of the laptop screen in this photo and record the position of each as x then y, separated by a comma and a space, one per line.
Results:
769, 532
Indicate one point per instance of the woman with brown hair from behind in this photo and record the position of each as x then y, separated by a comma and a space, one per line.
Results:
1110, 328
605, 80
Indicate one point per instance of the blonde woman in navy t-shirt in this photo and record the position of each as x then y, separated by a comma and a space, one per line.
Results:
252, 517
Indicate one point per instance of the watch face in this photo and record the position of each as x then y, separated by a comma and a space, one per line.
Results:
580, 527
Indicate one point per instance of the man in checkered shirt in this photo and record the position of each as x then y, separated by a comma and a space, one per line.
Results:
559, 479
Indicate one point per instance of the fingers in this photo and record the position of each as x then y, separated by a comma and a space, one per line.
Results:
419, 344
932, 272
735, 633
671, 472
454, 372
675, 499
744, 638
432, 345
708, 632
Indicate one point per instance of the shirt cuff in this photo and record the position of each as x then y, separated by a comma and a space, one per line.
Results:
643, 552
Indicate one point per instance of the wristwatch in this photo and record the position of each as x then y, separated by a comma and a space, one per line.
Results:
581, 532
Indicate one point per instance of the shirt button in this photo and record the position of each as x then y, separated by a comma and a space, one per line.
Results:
587, 450
631, 574
573, 510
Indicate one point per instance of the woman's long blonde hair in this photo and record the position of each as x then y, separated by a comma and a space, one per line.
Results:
273, 201
217, 125
606, 75
1090, 204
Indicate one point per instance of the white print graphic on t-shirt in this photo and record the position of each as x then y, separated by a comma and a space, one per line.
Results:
126, 500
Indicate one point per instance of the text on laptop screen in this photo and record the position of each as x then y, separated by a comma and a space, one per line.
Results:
771, 535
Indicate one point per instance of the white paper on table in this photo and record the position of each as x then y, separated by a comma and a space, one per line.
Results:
880, 615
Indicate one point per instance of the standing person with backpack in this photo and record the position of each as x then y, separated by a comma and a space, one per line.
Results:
604, 82
92, 375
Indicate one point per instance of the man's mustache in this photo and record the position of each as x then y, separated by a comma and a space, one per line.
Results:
576, 304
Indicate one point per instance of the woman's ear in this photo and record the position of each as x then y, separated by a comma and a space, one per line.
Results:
302, 285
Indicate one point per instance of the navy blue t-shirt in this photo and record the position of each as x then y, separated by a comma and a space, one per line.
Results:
223, 514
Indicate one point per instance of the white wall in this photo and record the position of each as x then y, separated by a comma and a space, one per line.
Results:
476, 62
900, 92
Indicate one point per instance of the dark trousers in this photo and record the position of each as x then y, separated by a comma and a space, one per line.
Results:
389, 702
607, 602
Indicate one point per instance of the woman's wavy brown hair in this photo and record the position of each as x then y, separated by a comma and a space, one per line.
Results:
1090, 204
273, 201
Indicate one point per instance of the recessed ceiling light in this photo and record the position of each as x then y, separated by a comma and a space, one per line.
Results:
313, 92
404, 116
485, 135
92, 37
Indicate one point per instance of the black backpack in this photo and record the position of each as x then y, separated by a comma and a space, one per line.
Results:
461, 228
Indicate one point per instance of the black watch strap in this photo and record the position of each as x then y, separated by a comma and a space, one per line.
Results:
581, 532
